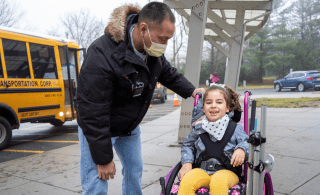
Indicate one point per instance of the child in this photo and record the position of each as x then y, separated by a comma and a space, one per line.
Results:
215, 78
218, 102
210, 79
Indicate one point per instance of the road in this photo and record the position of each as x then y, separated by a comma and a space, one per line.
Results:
37, 138
33, 138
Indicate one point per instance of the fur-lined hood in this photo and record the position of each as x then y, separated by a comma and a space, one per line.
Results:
117, 25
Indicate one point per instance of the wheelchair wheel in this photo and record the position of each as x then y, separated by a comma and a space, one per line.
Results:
268, 184
171, 187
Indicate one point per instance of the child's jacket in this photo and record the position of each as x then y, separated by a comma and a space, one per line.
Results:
238, 140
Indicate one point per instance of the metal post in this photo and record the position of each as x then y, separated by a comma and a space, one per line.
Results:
227, 60
251, 149
256, 175
262, 146
233, 69
198, 21
244, 84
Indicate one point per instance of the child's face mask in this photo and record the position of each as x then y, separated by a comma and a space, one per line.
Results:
156, 49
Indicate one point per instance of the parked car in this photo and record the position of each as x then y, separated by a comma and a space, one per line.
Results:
160, 92
300, 80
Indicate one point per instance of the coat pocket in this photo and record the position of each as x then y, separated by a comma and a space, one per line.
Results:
126, 84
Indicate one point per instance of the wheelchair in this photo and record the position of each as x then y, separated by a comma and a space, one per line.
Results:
255, 175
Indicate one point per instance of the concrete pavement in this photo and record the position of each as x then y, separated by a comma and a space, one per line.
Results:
286, 95
293, 138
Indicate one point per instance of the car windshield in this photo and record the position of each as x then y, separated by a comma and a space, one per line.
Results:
289, 75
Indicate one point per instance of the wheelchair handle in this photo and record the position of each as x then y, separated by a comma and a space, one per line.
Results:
253, 115
197, 97
246, 110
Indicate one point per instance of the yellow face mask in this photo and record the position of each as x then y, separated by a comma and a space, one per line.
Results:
156, 49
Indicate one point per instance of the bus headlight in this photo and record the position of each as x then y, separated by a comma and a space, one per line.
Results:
60, 113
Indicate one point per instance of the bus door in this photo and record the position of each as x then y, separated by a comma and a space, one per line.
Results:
69, 67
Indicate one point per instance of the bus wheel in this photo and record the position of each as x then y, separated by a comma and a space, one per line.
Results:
5, 132
56, 122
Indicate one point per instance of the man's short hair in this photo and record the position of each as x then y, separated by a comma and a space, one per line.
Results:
154, 13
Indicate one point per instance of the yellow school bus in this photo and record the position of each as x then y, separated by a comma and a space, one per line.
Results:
38, 79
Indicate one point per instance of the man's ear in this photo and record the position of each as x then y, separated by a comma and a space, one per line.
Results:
143, 26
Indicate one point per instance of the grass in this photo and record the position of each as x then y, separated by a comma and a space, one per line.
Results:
257, 87
280, 102
289, 102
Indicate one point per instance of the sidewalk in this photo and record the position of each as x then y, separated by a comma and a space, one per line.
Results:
293, 138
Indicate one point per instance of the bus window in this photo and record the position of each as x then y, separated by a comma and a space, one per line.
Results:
72, 64
43, 61
72, 61
1, 73
16, 59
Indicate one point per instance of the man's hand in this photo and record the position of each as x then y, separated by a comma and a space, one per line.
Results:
107, 170
185, 169
238, 157
198, 90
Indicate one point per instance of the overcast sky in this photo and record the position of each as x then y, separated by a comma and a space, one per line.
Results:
40, 16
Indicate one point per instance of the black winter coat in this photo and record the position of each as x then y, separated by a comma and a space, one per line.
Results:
105, 104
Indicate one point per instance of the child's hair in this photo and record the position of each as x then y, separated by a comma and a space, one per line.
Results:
231, 97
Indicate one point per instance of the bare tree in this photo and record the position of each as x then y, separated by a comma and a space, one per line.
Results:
10, 13
54, 31
179, 39
82, 27
212, 55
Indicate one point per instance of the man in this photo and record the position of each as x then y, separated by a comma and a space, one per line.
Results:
116, 84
